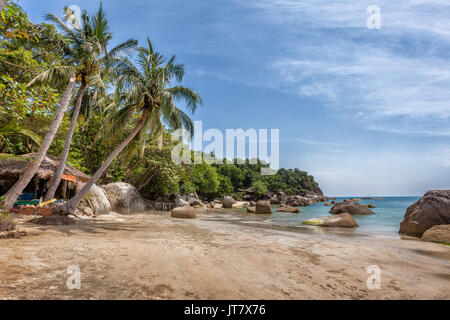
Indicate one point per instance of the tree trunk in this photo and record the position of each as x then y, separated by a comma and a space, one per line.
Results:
72, 204
13, 193
2, 4
62, 162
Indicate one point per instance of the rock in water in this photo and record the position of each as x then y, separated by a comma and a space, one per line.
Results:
439, 233
251, 209
186, 212
227, 202
430, 210
350, 207
288, 209
124, 198
263, 207
96, 201
341, 220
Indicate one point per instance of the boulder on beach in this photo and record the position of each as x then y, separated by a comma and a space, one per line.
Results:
180, 202
298, 201
263, 207
430, 210
196, 202
251, 209
341, 220
438, 233
186, 212
288, 209
275, 201
95, 202
227, 202
350, 207
124, 198
371, 205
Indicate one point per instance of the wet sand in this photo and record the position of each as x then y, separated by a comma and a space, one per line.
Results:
217, 256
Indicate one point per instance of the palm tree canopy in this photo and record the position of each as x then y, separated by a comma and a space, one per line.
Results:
13, 130
85, 49
147, 84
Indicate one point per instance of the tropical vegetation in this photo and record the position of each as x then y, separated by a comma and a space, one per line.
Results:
109, 112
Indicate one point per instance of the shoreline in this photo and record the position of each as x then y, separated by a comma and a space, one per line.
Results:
153, 256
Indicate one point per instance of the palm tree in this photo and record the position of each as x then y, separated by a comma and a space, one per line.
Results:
13, 130
86, 55
11, 196
2, 4
145, 91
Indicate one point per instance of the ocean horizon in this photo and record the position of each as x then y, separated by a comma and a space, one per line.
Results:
389, 212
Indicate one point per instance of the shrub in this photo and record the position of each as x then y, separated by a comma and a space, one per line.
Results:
6, 222
259, 188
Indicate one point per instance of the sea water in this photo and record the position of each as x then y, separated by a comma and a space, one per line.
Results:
389, 212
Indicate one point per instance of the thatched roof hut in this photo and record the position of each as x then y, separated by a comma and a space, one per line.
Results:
13, 169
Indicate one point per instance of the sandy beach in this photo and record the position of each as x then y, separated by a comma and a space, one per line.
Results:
217, 256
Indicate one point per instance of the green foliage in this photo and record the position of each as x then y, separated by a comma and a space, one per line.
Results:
259, 188
6, 221
35, 59
225, 185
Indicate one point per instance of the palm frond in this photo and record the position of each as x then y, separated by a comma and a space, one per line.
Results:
6, 157
13, 130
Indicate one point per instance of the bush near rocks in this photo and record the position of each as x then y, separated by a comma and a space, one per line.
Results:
6, 222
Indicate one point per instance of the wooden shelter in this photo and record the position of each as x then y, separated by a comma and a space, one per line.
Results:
11, 171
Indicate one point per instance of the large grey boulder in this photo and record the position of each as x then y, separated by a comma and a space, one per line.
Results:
124, 198
95, 202
263, 207
227, 202
351, 207
342, 220
430, 210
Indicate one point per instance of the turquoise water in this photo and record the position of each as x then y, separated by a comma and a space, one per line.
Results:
389, 213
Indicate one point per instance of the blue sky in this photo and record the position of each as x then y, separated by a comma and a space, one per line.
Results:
367, 112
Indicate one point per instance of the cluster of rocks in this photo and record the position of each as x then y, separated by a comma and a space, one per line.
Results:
342, 214
118, 196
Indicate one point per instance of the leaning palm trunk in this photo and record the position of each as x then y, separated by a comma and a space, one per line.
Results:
13, 193
2, 4
72, 204
62, 162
